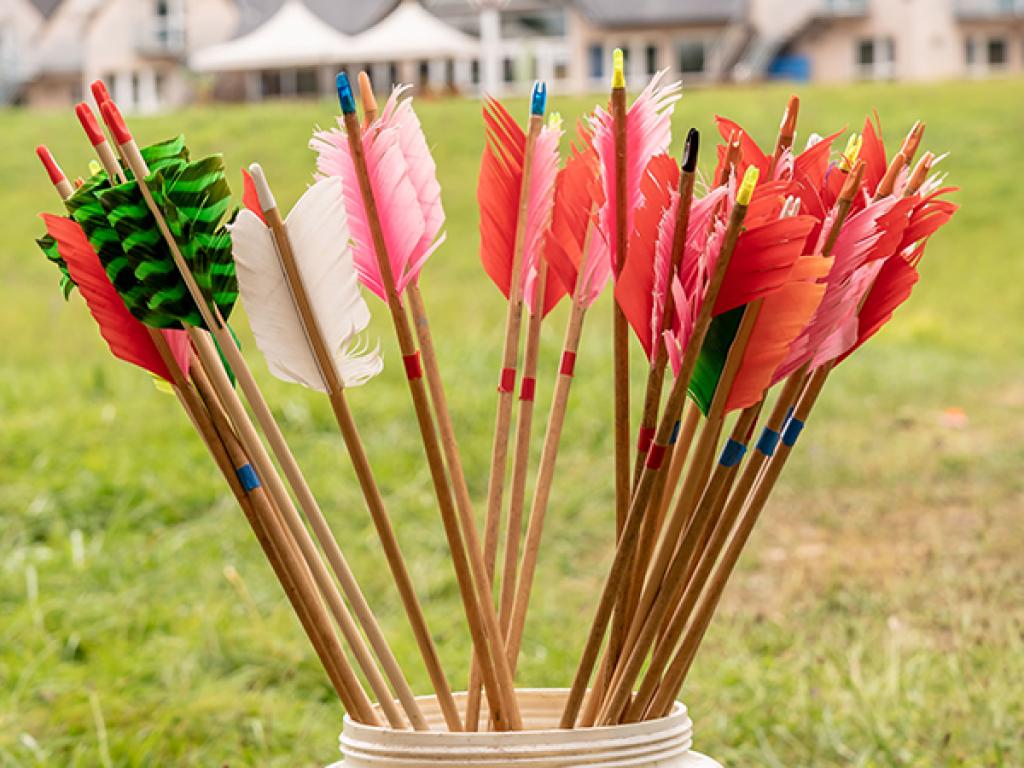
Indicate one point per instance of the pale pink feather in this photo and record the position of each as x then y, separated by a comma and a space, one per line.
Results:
648, 132
398, 112
540, 200
703, 242
405, 192
862, 241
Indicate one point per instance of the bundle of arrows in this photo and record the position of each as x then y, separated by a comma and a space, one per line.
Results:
744, 287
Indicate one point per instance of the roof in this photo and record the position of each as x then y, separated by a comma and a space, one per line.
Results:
344, 15
46, 7
640, 13
412, 32
292, 37
295, 36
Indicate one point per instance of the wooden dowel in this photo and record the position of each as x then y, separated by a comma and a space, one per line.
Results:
787, 132
620, 326
211, 362
364, 473
687, 430
517, 490
196, 413
545, 476
292, 572
641, 499
676, 673
698, 474
656, 371
467, 557
521, 455
506, 389
213, 320
509, 360
727, 515
647, 626
688, 516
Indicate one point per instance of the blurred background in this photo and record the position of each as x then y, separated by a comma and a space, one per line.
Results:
877, 618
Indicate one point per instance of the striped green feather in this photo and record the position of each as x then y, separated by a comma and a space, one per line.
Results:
161, 287
194, 199
49, 248
86, 209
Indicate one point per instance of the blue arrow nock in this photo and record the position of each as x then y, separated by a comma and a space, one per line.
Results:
539, 98
346, 98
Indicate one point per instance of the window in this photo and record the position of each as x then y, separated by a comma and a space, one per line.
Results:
424, 72
692, 57
596, 55
876, 58
474, 71
561, 69
997, 53
970, 52
159, 81
508, 70
306, 82
651, 59
270, 83
136, 89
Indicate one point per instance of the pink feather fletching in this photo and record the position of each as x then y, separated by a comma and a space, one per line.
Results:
403, 179
648, 133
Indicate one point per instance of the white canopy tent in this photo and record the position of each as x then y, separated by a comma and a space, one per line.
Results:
410, 33
292, 37
296, 46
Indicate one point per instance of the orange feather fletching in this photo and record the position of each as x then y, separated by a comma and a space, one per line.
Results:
498, 194
127, 338
578, 196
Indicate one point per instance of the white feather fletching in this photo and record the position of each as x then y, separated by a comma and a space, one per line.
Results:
318, 230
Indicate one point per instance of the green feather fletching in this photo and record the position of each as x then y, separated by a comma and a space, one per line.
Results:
713, 353
49, 248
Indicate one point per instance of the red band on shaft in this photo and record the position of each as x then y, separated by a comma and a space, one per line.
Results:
413, 369
115, 122
655, 457
528, 388
52, 169
568, 363
644, 438
90, 124
507, 382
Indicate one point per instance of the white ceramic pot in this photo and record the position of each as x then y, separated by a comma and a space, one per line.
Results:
664, 743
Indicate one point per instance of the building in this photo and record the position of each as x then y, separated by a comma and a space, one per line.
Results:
162, 53
139, 47
910, 40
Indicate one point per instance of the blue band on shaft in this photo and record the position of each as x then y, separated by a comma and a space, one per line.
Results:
791, 432
675, 433
732, 453
248, 478
768, 442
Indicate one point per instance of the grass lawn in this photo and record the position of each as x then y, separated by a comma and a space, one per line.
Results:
877, 618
